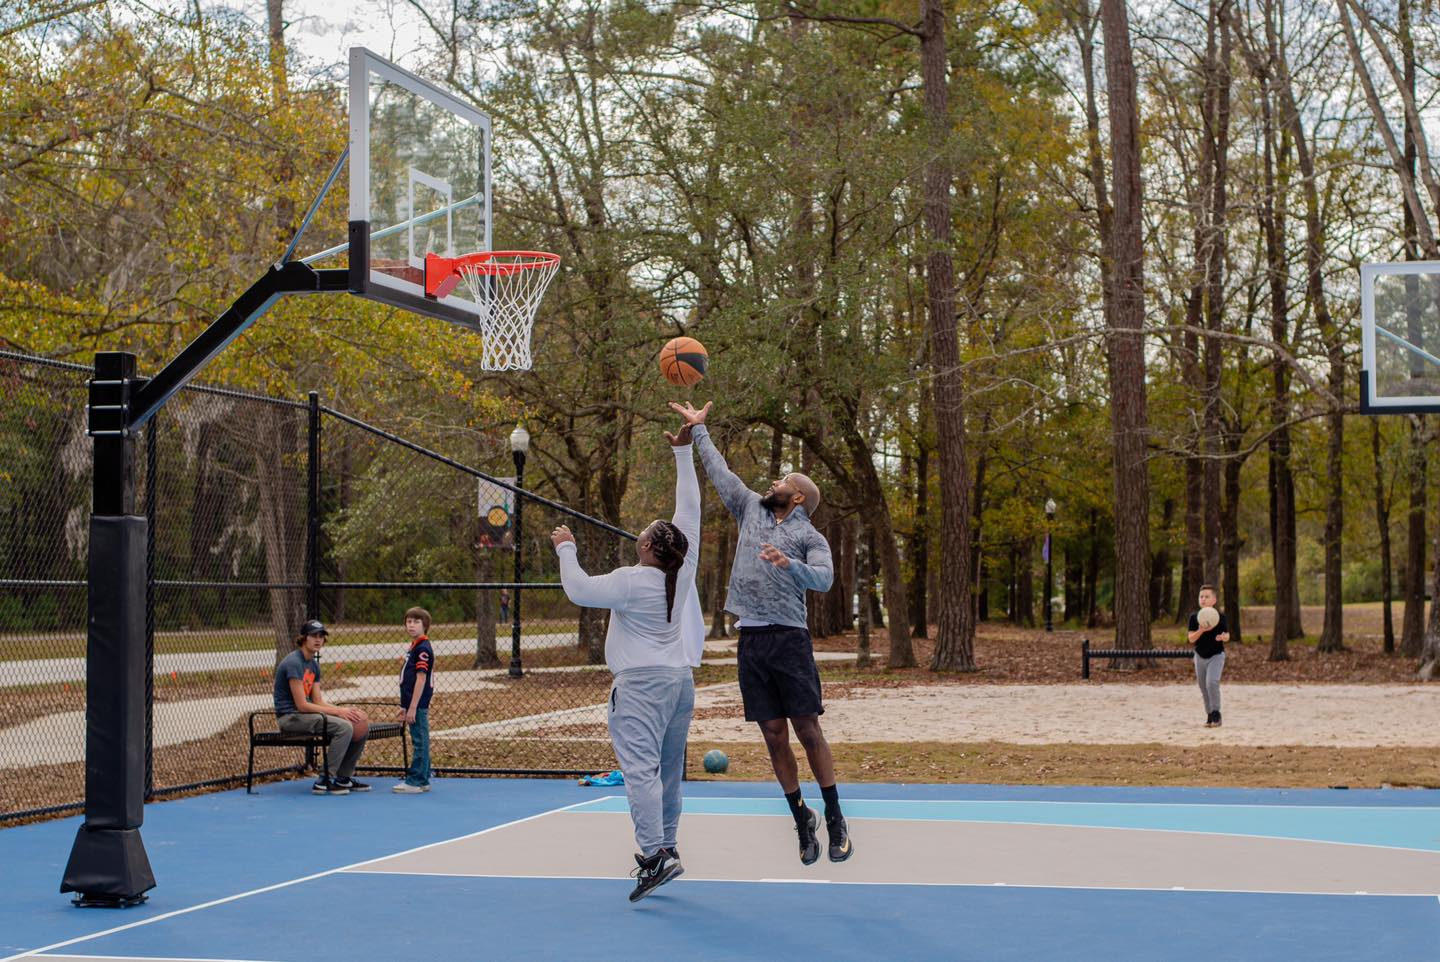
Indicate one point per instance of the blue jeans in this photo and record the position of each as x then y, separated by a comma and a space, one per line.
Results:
419, 771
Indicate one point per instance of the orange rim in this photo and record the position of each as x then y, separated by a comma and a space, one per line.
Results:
442, 274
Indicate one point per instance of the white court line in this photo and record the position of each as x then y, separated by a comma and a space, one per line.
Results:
1041, 801
690, 878
144, 958
31, 953
971, 821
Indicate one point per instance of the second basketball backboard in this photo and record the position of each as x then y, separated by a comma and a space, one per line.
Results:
1400, 328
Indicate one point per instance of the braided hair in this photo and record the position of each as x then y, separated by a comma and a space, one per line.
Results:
669, 544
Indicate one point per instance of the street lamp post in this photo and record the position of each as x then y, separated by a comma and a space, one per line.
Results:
519, 446
1049, 564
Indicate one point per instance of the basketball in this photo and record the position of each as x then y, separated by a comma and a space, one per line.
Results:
683, 361
716, 761
1207, 618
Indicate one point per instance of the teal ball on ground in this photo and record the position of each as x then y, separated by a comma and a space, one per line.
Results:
716, 761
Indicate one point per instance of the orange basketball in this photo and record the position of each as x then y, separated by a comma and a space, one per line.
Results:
683, 361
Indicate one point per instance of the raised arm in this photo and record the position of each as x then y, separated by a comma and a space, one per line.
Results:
587, 591
687, 492
733, 492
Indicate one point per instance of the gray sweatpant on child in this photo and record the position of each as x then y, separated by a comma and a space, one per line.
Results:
650, 711
1207, 675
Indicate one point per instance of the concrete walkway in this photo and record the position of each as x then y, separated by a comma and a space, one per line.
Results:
58, 670
60, 737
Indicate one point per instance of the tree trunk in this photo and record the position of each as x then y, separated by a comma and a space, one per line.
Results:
864, 580
1160, 570
1091, 605
981, 601
955, 630
1230, 536
1412, 628
1271, 213
1025, 589
1126, 344
1216, 150
275, 446
1332, 635
1430, 656
488, 567
920, 544
1382, 524
1074, 584
721, 581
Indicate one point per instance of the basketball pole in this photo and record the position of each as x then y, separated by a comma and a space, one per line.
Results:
108, 866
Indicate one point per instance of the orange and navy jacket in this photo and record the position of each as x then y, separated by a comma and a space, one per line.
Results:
419, 661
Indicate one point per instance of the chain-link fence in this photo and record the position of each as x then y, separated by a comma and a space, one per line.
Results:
264, 512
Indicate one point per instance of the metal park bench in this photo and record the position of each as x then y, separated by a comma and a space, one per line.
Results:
1086, 653
275, 738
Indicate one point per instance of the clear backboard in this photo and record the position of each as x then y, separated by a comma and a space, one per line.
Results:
419, 184
1400, 325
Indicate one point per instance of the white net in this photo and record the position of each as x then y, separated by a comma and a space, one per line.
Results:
507, 286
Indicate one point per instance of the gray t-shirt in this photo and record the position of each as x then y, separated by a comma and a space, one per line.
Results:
294, 665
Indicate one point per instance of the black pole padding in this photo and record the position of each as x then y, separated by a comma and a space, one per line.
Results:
1085, 658
108, 865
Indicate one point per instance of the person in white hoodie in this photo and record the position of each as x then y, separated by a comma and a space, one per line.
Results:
656, 636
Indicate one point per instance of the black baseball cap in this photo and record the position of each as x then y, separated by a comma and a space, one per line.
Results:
313, 627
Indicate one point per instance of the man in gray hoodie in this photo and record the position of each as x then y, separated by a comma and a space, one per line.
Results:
778, 558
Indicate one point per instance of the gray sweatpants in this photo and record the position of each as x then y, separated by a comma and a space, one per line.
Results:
1207, 675
650, 711
344, 751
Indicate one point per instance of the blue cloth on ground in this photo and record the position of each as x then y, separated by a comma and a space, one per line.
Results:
604, 778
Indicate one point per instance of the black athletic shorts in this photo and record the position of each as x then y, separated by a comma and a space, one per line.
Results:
778, 677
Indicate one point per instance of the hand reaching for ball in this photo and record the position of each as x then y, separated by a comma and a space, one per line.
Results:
561, 535
690, 413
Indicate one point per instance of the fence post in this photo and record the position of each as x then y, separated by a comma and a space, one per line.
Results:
152, 471
312, 512
1085, 658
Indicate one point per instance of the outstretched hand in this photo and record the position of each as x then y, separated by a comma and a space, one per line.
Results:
561, 535
680, 437
690, 414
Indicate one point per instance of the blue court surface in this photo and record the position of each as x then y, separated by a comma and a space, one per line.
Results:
538, 869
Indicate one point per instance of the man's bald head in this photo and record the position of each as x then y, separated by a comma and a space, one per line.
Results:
807, 488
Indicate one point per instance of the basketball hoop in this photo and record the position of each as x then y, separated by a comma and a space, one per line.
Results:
507, 286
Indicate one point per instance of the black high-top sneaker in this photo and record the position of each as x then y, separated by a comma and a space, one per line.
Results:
653, 872
840, 847
1217, 719
674, 854
809, 844
1212, 719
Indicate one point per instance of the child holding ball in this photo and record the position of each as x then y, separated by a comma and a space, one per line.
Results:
1208, 633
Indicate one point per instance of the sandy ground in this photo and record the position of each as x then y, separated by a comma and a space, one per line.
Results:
1348, 716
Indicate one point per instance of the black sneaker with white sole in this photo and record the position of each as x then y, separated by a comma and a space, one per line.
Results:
840, 847
325, 786
674, 854
652, 872
809, 844
350, 784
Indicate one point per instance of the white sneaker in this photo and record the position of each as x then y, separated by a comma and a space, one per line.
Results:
405, 788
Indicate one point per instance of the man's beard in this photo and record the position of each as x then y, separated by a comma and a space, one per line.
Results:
774, 501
